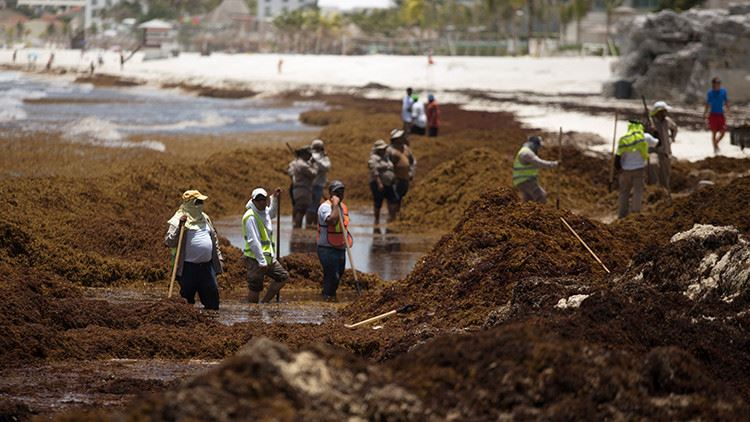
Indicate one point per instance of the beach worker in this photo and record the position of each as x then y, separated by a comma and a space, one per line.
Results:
526, 170
15, 54
200, 257
100, 59
279, 65
404, 168
406, 104
433, 116
322, 165
666, 128
91, 68
382, 177
430, 62
303, 172
122, 61
259, 252
631, 159
331, 238
418, 117
714, 113
50, 61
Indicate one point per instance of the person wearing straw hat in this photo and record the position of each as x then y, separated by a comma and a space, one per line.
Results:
200, 257
666, 128
303, 172
260, 254
332, 239
381, 178
404, 167
322, 165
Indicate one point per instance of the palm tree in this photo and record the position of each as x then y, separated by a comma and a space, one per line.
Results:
610, 6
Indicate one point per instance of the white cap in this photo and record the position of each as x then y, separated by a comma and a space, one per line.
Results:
661, 105
259, 191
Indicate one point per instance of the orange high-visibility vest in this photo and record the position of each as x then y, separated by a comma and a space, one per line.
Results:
335, 233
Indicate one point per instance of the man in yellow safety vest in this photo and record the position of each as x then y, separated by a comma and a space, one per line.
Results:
526, 170
260, 254
631, 159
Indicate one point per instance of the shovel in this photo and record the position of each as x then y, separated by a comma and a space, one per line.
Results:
402, 310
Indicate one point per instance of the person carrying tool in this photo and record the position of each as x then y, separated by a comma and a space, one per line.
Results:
404, 167
303, 173
666, 129
526, 170
200, 257
433, 116
716, 101
631, 159
381, 178
406, 104
322, 165
332, 239
260, 254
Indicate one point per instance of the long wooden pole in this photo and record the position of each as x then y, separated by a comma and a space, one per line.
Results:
348, 249
278, 235
585, 245
614, 151
375, 318
176, 260
559, 162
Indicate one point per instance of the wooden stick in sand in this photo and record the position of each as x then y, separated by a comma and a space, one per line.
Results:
585, 245
559, 162
176, 259
612, 164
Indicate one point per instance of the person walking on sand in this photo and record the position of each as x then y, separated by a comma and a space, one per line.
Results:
406, 104
526, 170
322, 165
433, 116
631, 159
404, 167
714, 114
666, 128
303, 173
331, 238
381, 178
260, 255
418, 117
200, 257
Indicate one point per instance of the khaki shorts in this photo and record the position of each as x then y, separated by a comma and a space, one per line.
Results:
255, 274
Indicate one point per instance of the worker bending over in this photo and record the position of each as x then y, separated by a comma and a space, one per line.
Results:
526, 170
631, 160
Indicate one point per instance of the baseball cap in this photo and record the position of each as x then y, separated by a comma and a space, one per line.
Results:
317, 144
193, 194
335, 185
535, 140
259, 192
397, 133
379, 144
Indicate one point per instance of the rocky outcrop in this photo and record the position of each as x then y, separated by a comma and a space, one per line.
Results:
673, 56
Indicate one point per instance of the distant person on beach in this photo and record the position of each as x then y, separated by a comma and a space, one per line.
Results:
418, 117
303, 172
406, 104
91, 68
713, 112
15, 54
631, 160
279, 65
331, 239
382, 177
200, 257
404, 167
666, 128
260, 254
433, 116
526, 170
100, 59
49, 62
322, 165
122, 61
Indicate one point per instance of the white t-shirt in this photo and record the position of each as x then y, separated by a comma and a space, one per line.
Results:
198, 245
406, 109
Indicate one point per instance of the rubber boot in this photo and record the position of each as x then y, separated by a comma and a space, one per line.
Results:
273, 288
253, 297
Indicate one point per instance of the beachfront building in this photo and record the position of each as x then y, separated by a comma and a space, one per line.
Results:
269, 9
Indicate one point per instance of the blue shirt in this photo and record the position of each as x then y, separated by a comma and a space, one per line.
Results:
716, 99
